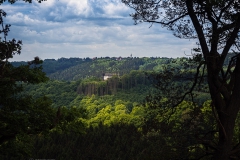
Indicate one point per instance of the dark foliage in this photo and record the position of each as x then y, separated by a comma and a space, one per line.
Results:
20, 114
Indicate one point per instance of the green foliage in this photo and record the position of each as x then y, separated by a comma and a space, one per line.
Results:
80, 68
61, 93
111, 132
99, 143
21, 115
99, 119
164, 132
183, 128
70, 120
91, 103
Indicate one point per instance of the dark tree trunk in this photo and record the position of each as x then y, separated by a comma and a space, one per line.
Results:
225, 99
226, 110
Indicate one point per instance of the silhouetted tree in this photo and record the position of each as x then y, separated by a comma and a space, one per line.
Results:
216, 25
20, 114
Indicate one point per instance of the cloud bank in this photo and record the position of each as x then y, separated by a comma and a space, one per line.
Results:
87, 28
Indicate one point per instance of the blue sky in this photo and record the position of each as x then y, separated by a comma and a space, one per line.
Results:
87, 28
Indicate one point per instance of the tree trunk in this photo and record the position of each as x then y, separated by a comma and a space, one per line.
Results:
225, 145
227, 111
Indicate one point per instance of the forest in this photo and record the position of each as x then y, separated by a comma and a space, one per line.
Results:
118, 118
129, 107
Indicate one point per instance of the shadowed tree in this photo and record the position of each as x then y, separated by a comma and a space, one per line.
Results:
216, 24
20, 114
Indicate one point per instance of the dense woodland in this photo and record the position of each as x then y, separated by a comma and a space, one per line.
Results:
150, 108
118, 118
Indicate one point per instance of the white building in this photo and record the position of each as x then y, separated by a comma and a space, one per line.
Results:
108, 75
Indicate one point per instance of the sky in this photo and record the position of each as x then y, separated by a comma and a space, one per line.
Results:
87, 28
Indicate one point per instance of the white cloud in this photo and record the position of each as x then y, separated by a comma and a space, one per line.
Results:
22, 19
116, 9
78, 7
87, 28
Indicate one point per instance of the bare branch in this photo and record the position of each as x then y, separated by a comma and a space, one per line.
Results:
193, 86
230, 41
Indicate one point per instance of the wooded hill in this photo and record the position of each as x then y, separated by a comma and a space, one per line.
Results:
134, 76
72, 69
119, 118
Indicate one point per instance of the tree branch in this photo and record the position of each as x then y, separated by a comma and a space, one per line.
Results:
223, 9
230, 41
198, 28
168, 23
193, 86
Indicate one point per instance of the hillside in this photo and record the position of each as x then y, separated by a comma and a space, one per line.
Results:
83, 68
93, 113
69, 69
133, 81
72, 69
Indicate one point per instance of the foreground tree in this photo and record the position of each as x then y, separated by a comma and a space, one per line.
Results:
20, 114
216, 25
